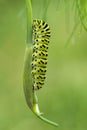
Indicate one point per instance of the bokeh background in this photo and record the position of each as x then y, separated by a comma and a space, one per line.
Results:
63, 99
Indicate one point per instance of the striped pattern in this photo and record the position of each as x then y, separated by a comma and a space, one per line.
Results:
41, 36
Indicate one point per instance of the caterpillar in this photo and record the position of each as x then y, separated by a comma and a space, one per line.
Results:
35, 65
41, 39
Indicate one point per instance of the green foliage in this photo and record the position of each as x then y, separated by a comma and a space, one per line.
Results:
82, 12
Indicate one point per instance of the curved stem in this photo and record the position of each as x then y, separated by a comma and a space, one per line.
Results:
37, 112
29, 21
48, 121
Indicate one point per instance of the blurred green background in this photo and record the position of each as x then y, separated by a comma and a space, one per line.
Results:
63, 99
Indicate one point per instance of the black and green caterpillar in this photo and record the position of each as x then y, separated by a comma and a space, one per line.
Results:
41, 39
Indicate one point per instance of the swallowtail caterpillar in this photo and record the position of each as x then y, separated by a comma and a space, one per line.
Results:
35, 65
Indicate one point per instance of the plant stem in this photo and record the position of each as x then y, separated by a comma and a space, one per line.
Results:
29, 21
48, 121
